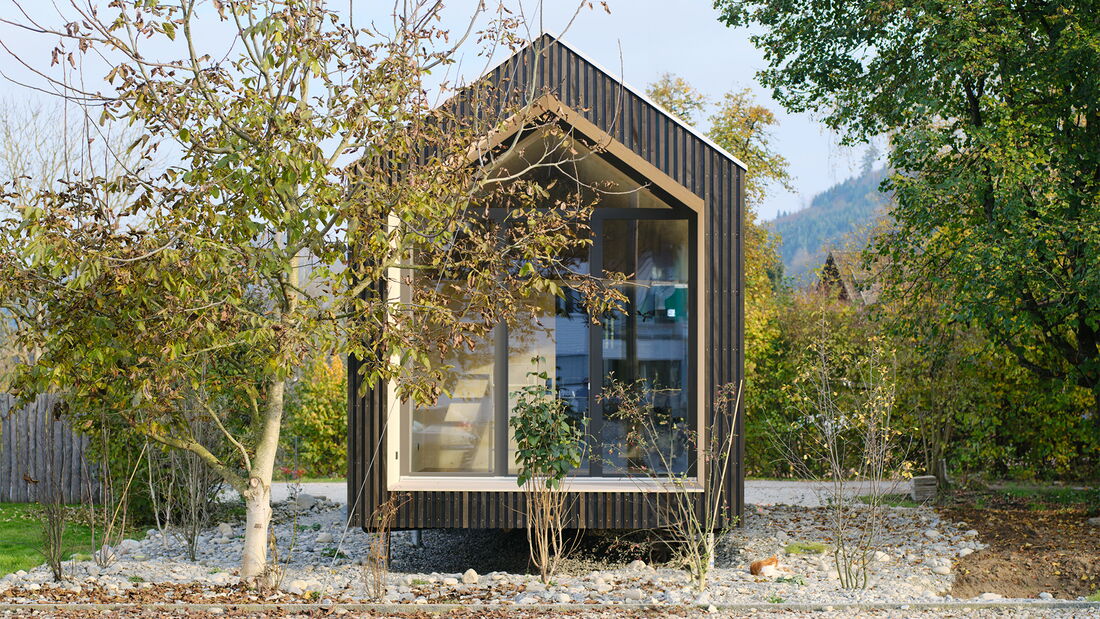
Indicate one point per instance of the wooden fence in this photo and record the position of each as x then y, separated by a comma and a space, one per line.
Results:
38, 449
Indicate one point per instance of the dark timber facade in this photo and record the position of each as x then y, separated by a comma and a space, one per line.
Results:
697, 191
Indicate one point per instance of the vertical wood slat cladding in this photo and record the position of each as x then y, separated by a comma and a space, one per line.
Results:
550, 66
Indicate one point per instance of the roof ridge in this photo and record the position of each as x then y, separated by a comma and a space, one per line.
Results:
636, 92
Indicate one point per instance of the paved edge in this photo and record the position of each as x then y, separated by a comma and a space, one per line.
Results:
254, 607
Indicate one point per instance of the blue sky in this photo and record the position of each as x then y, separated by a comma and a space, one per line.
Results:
639, 40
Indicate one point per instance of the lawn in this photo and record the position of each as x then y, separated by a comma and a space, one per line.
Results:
21, 538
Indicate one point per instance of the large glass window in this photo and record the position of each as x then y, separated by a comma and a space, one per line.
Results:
649, 343
456, 434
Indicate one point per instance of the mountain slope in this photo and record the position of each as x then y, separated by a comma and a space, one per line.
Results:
836, 215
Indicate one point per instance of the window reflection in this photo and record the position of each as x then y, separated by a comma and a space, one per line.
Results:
647, 344
456, 433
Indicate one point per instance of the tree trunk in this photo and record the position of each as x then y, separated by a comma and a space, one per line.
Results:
257, 503
257, 497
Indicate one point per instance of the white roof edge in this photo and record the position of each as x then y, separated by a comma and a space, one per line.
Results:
641, 95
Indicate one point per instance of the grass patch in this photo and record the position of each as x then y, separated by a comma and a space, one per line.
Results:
1054, 495
332, 552
891, 500
1095, 597
21, 538
806, 548
420, 582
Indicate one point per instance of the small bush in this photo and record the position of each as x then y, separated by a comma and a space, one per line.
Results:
806, 548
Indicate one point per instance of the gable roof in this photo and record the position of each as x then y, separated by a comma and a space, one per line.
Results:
845, 271
644, 97
548, 64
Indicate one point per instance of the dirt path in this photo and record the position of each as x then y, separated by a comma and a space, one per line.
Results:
1034, 547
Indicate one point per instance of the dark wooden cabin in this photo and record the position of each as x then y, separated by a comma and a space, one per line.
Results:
680, 233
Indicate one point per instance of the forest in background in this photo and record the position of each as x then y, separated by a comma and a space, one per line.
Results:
835, 217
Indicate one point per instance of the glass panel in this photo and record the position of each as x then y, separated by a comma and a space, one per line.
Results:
568, 169
558, 334
455, 435
648, 344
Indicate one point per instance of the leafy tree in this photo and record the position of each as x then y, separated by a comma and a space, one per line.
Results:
676, 95
309, 141
994, 117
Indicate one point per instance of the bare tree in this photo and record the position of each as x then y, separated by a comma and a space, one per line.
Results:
693, 514
846, 406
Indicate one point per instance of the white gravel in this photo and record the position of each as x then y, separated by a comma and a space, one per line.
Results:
319, 554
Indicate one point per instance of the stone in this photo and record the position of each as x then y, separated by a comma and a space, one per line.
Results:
882, 557
712, 609
535, 586
971, 533
297, 586
1095, 521
932, 534
450, 582
528, 599
225, 528
989, 597
636, 564
769, 571
634, 595
1045, 596
966, 552
563, 598
942, 570
324, 537
469, 577
127, 546
305, 501
215, 610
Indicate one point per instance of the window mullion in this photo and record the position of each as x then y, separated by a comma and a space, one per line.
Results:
500, 371
595, 360
500, 399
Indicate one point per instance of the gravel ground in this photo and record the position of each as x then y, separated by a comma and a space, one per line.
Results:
601, 613
321, 561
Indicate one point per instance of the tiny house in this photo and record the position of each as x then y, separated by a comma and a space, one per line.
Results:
677, 232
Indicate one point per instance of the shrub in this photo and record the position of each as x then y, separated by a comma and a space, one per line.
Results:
316, 421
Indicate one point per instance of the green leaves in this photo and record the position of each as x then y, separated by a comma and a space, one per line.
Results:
993, 120
548, 441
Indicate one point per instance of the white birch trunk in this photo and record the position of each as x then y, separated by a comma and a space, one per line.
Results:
257, 498
257, 503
